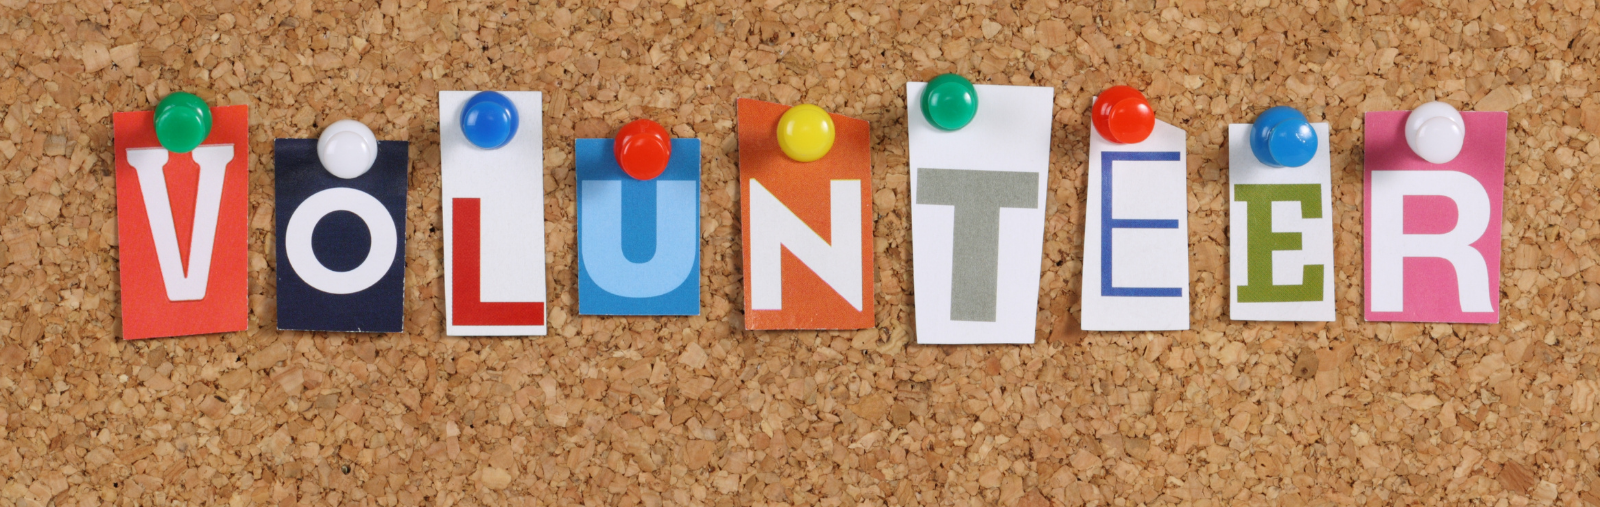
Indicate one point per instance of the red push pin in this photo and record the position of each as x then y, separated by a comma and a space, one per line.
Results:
643, 149
1122, 115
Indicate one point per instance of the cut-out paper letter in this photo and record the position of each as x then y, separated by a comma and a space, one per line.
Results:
493, 222
341, 242
807, 226
1136, 233
638, 241
181, 226
1432, 231
977, 216
1281, 218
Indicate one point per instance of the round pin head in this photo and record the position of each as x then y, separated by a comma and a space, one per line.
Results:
182, 122
805, 133
1281, 137
1122, 115
643, 149
489, 120
1436, 132
949, 102
347, 148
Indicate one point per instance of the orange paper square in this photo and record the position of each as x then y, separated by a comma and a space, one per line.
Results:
804, 188
146, 310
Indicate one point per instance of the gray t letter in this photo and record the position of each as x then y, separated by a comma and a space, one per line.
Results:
977, 197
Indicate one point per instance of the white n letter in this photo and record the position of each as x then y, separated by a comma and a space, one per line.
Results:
149, 164
1391, 245
773, 227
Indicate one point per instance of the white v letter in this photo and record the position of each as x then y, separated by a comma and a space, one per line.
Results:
149, 164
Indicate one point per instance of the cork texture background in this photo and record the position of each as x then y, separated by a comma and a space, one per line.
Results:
697, 411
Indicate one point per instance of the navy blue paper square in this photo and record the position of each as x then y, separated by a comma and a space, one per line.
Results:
341, 241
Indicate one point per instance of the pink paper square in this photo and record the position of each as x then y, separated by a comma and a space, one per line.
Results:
1431, 287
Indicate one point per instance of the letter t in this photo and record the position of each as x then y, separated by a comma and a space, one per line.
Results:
977, 197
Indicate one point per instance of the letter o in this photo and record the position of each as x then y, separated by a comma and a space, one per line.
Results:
380, 256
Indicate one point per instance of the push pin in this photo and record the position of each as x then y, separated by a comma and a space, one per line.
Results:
182, 122
643, 149
1122, 115
949, 102
489, 120
805, 133
347, 149
1281, 137
1436, 132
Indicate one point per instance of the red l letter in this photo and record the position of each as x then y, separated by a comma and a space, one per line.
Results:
470, 310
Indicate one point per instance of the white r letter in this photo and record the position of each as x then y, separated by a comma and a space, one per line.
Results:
1390, 244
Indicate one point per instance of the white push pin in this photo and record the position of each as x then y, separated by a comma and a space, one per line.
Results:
347, 149
1436, 132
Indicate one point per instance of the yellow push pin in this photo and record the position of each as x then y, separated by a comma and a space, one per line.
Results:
805, 133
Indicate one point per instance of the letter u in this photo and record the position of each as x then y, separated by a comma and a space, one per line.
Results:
677, 238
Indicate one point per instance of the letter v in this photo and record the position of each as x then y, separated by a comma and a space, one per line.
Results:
149, 163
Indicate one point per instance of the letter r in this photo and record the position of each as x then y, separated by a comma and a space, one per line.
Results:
1391, 245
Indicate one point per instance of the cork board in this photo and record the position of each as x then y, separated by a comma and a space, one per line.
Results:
696, 411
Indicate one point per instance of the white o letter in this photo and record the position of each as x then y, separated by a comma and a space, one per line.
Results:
380, 256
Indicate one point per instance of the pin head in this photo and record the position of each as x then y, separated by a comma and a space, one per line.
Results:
1436, 132
1122, 115
182, 122
949, 102
489, 120
347, 149
1281, 137
805, 133
643, 149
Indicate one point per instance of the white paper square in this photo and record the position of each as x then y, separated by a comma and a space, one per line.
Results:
1011, 132
1316, 234
509, 180
1151, 257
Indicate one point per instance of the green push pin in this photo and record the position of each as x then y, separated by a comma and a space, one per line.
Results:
949, 102
182, 122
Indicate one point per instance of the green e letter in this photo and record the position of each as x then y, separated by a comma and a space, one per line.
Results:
1258, 200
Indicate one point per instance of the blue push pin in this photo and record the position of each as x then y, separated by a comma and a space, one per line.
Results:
1281, 137
489, 120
